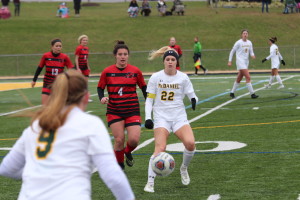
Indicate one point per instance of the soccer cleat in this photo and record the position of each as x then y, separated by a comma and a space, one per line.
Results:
232, 95
267, 86
254, 96
149, 187
129, 159
122, 166
280, 87
205, 72
185, 178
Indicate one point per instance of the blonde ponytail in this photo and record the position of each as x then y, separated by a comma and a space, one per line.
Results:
157, 53
67, 91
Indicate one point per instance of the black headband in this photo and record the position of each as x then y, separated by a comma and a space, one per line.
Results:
171, 53
273, 41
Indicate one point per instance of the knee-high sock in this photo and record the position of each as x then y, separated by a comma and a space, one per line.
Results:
250, 88
235, 86
120, 156
128, 148
151, 174
187, 157
271, 80
279, 79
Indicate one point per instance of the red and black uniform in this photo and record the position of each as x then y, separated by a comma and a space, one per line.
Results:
123, 100
55, 64
178, 49
83, 52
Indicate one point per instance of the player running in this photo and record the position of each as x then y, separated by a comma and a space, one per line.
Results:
55, 62
123, 109
55, 156
275, 57
242, 48
167, 89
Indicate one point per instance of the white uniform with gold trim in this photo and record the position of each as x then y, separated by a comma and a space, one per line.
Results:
169, 94
242, 50
59, 167
275, 56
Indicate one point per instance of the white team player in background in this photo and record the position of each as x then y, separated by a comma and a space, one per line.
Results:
54, 157
242, 48
167, 89
275, 57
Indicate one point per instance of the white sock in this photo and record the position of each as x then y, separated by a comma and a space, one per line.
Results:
187, 157
279, 79
250, 88
235, 86
151, 173
271, 80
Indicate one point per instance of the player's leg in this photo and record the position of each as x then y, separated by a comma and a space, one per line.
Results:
246, 73
117, 127
236, 84
185, 134
160, 135
276, 74
45, 94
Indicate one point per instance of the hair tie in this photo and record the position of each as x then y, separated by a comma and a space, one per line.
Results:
171, 53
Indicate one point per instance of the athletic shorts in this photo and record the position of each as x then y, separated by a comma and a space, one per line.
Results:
171, 126
46, 89
129, 121
86, 72
242, 65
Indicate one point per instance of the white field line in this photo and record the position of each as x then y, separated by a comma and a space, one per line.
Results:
230, 101
211, 111
16, 111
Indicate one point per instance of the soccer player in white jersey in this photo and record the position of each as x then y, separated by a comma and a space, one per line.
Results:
275, 57
167, 89
55, 156
242, 48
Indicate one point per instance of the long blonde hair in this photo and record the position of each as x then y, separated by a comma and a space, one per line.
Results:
67, 91
160, 52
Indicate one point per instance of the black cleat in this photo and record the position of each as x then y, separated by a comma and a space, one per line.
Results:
254, 96
232, 95
129, 159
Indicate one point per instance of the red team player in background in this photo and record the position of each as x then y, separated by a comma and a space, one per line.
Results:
55, 62
81, 57
123, 110
177, 48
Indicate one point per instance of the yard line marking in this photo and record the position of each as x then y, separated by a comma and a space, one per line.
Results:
214, 197
228, 102
145, 143
16, 111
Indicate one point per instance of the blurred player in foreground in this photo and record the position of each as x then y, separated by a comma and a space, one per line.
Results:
56, 154
167, 89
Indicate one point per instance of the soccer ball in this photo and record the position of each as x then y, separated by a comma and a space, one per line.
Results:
163, 164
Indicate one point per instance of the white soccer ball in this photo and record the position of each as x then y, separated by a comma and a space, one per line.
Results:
163, 164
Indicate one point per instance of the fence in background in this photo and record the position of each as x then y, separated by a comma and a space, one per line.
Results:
213, 59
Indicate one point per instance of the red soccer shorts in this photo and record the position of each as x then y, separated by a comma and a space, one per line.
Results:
129, 121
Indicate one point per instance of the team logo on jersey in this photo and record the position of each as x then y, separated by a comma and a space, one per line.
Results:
129, 75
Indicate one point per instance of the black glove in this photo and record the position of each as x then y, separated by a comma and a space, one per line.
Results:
282, 62
193, 100
149, 124
264, 60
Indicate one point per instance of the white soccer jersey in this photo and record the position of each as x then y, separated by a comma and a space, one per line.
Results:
58, 166
275, 56
170, 92
242, 50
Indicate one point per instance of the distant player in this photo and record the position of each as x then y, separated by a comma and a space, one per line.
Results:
167, 89
197, 56
242, 48
276, 58
55, 156
55, 62
173, 45
123, 109
81, 57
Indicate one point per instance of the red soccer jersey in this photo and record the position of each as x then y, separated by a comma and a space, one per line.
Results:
121, 87
54, 65
83, 53
177, 48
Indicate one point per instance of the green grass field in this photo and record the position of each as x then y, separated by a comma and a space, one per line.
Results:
265, 169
